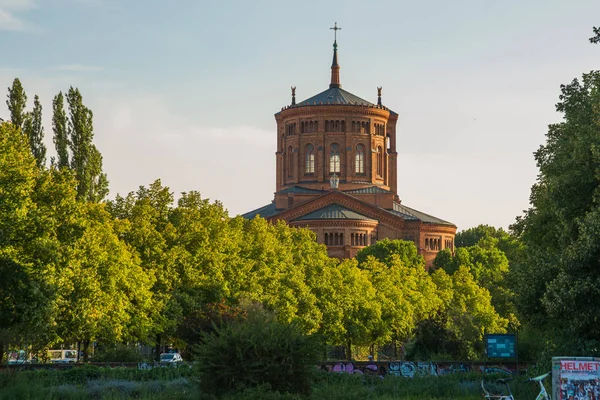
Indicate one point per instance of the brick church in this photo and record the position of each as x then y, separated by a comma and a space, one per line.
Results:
337, 175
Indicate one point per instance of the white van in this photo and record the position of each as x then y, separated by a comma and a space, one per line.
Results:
62, 356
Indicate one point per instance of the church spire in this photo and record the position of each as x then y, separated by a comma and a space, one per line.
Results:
335, 68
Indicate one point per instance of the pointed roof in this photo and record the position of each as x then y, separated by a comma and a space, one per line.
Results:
336, 95
335, 69
352, 208
334, 211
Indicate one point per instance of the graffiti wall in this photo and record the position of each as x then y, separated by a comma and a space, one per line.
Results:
410, 369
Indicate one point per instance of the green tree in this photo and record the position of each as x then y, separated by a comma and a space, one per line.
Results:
86, 160
102, 292
34, 130
17, 101
60, 129
146, 228
560, 271
361, 309
24, 300
505, 242
468, 312
596, 38
384, 250
407, 296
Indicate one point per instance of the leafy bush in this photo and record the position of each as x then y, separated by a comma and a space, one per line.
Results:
257, 351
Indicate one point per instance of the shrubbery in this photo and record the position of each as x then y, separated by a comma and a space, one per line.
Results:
257, 351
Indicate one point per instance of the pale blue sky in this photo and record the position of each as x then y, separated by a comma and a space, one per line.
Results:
185, 91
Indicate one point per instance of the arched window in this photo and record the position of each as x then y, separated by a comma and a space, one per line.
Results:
359, 166
353, 126
341, 239
326, 126
309, 163
302, 127
379, 161
290, 161
426, 243
334, 159
343, 126
326, 239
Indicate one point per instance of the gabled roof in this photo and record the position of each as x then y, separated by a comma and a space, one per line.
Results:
338, 96
337, 211
334, 211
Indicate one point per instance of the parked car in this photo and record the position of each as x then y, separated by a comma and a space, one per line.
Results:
170, 359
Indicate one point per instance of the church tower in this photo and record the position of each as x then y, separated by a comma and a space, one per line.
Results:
336, 173
336, 132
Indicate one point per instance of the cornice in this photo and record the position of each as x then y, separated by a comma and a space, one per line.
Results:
335, 223
331, 109
437, 228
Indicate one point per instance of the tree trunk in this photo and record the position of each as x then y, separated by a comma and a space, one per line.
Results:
349, 349
86, 348
157, 347
78, 349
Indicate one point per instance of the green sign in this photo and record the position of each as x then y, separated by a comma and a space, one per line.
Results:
501, 346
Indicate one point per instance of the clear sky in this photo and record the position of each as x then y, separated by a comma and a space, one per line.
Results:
185, 91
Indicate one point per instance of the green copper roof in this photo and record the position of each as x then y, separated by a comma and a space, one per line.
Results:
367, 190
333, 211
411, 213
336, 95
265, 211
299, 190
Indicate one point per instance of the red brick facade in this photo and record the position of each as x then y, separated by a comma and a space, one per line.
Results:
338, 133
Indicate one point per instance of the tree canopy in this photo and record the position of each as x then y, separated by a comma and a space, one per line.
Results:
560, 272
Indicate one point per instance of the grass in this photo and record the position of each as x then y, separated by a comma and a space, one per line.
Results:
179, 383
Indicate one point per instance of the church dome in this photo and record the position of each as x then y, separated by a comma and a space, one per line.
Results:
336, 96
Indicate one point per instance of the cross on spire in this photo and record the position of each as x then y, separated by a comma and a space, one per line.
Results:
335, 29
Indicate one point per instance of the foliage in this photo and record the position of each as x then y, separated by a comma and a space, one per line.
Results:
16, 102
384, 249
257, 351
59, 127
488, 265
561, 270
86, 160
174, 383
205, 319
405, 293
34, 131
596, 38
503, 241
23, 297
466, 315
